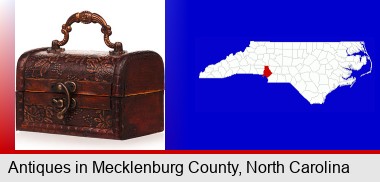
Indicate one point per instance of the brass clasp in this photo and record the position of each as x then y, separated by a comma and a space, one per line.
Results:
64, 103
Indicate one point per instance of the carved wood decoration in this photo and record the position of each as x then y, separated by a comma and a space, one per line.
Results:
75, 67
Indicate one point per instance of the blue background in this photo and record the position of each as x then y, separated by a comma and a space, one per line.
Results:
243, 111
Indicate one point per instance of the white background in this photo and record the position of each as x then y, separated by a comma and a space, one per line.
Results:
138, 24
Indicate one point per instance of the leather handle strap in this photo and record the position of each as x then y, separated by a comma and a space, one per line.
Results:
86, 17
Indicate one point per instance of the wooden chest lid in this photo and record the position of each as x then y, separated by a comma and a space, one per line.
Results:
95, 73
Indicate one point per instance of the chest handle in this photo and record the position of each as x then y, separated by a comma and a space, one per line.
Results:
86, 17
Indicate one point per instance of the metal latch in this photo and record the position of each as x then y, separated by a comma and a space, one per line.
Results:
67, 88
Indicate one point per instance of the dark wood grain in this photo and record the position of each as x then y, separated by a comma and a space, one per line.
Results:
83, 87
142, 114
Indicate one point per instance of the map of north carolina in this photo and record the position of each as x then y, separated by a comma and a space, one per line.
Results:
315, 69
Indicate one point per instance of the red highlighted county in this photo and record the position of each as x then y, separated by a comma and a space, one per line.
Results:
267, 71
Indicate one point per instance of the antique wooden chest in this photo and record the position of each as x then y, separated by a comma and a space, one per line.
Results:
114, 94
